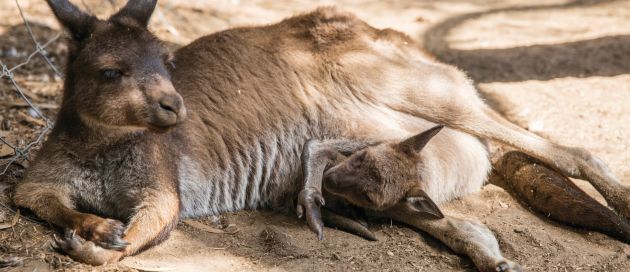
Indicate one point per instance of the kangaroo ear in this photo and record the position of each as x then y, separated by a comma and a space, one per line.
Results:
418, 202
139, 10
415, 143
72, 18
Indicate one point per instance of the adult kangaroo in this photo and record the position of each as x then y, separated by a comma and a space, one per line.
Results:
144, 137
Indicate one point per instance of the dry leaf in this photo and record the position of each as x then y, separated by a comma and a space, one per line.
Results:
231, 229
18, 104
13, 222
10, 262
5, 150
27, 118
16, 218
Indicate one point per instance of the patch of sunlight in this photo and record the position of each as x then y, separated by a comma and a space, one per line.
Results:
590, 112
183, 253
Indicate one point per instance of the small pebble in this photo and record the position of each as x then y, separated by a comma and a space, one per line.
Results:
33, 113
335, 257
12, 53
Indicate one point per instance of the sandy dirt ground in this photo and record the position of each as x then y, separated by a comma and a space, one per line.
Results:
558, 68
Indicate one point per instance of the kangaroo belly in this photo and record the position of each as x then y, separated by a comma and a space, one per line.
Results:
455, 164
259, 173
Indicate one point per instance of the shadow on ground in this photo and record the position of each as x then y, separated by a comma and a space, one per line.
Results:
538, 62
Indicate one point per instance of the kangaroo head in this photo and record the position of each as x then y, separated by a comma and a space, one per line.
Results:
117, 72
384, 176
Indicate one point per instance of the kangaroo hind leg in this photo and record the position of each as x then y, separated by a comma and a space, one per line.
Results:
464, 236
455, 103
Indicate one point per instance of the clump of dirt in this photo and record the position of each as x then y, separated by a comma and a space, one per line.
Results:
280, 244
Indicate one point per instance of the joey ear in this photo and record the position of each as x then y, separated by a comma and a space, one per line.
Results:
357, 160
417, 201
72, 18
415, 143
139, 10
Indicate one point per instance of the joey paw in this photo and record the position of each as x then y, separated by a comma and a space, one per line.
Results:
309, 203
106, 233
507, 266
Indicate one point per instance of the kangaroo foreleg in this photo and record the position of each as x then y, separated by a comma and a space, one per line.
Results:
466, 112
52, 203
155, 217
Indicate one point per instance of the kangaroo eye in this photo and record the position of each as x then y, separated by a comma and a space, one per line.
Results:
111, 74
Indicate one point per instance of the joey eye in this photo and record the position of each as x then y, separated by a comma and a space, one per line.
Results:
373, 200
111, 74
169, 60
367, 199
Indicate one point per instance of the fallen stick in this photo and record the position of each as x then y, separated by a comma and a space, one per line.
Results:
231, 229
15, 104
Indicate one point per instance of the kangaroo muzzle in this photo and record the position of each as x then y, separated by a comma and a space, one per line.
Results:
166, 107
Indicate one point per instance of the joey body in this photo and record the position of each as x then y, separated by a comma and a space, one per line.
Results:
391, 179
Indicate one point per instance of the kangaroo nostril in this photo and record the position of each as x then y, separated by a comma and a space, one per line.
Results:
169, 106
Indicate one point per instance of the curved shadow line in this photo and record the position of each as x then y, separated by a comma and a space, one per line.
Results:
500, 62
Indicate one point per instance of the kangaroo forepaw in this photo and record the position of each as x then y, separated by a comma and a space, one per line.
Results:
507, 266
67, 242
106, 233
84, 251
309, 202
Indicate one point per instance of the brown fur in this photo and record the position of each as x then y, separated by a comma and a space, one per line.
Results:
557, 197
224, 126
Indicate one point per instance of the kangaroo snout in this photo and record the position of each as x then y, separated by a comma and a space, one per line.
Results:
167, 108
171, 103
167, 112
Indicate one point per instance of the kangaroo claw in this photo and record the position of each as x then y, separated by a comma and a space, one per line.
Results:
309, 202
